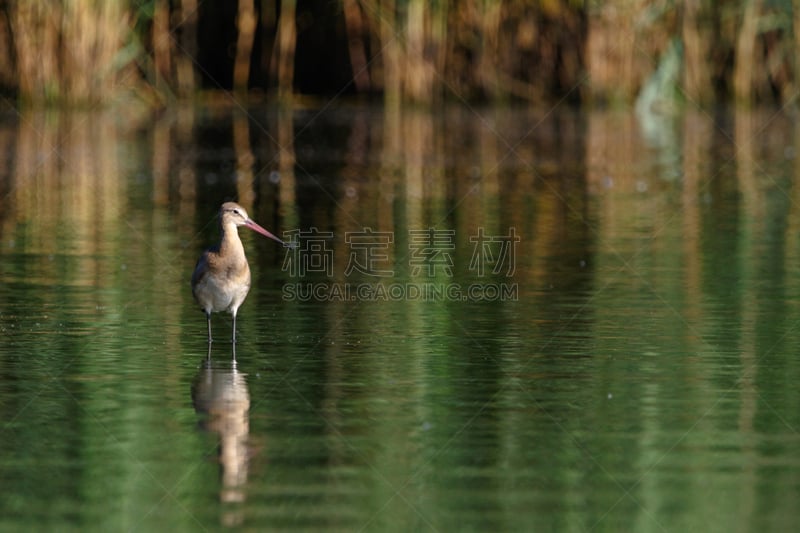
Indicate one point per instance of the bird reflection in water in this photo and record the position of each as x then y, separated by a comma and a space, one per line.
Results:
220, 396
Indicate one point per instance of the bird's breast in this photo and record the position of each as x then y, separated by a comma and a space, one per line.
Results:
223, 283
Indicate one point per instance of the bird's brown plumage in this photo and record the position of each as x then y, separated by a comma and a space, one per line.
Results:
221, 277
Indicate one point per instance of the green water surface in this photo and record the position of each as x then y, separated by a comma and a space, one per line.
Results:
630, 363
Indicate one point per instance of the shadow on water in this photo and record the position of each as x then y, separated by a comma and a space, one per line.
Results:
221, 398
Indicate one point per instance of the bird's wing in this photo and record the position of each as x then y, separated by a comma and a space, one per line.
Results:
200, 269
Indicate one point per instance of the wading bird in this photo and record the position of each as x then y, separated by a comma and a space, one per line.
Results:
221, 278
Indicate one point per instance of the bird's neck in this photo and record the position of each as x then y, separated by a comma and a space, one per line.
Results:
230, 245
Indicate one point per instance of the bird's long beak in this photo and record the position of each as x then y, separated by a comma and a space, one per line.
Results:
255, 227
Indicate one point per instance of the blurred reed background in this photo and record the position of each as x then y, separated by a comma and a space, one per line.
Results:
88, 52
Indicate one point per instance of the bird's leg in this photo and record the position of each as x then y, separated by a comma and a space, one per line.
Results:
208, 321
233, 339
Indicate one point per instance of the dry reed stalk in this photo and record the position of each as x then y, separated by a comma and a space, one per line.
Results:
35, 26
796, 44
697, 82
8, 75
610, 55
384, 20
745, 53
418, 72
356, 45
246, 26
185, 58
82, 52
66, 51
162, 53
487, 65
286, 43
